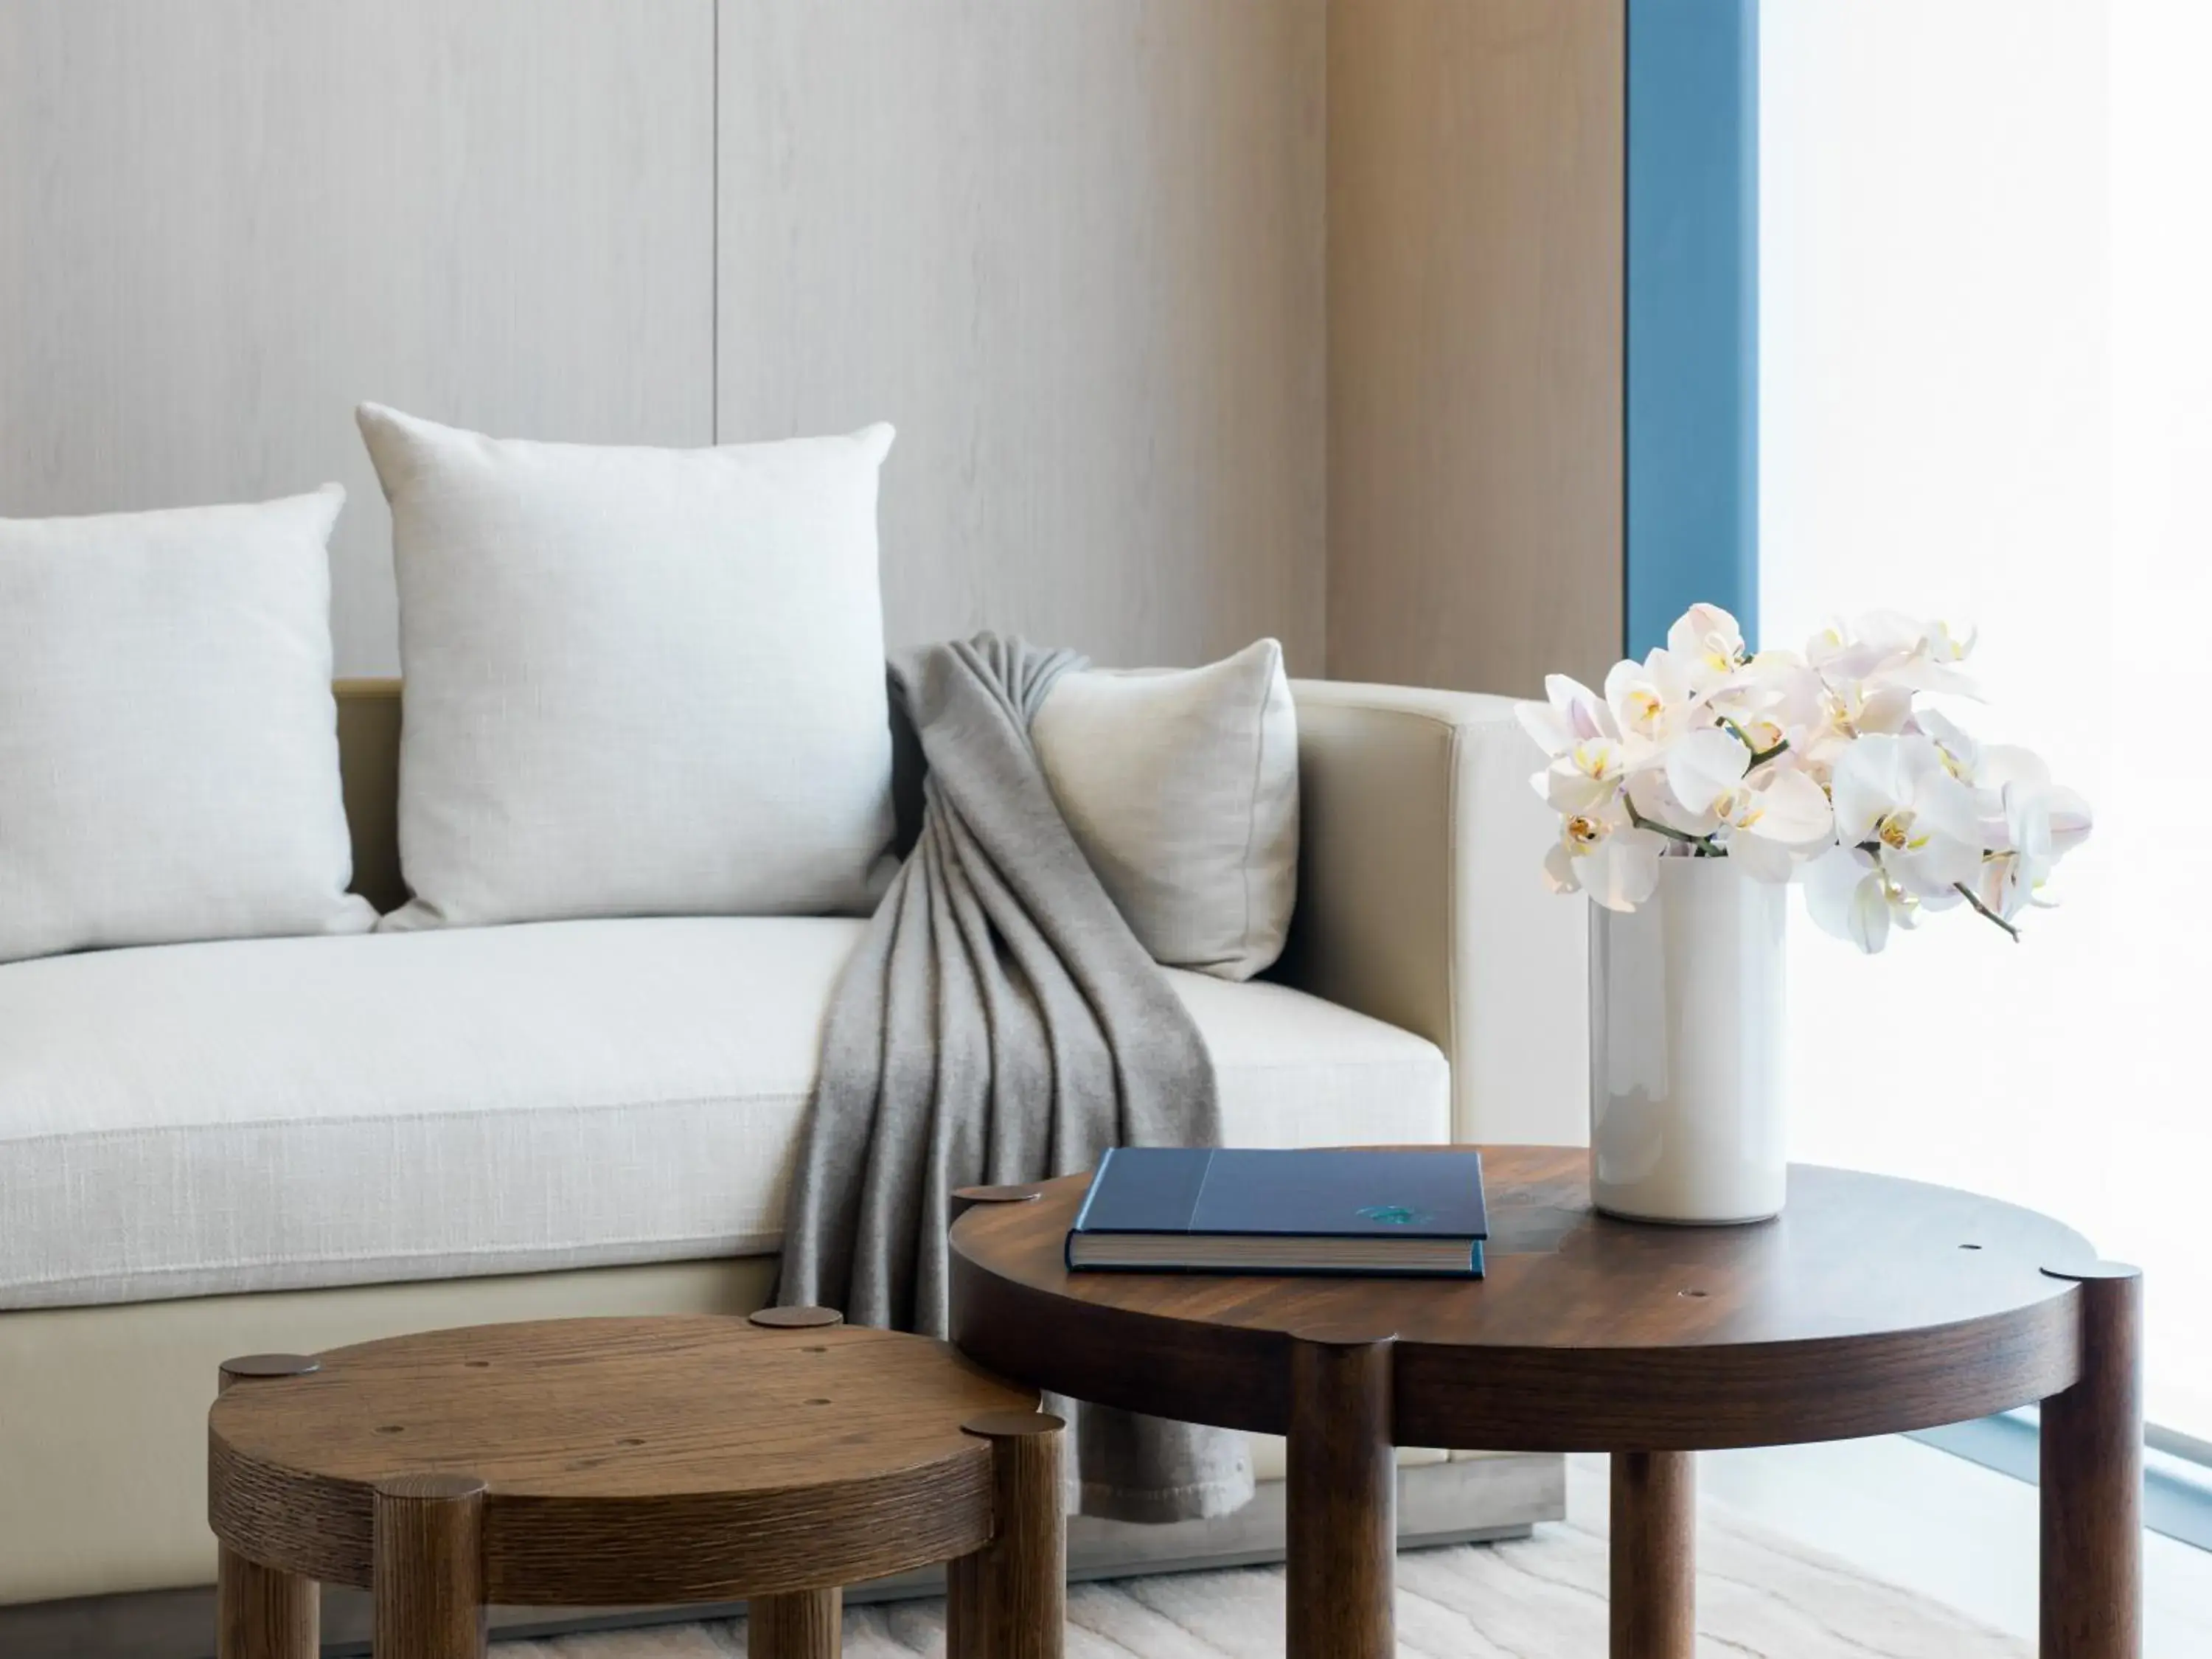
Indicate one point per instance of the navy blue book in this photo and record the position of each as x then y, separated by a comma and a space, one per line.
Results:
1176, 1209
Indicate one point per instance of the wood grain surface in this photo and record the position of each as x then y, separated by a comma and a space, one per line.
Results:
224, 223
428, 1579
2093, 1481
627, 1459
1476, 195
1655, 1555
261, 1613
1009, 1599
799, 1625
1343, 1491
1074, 252
1870, 1306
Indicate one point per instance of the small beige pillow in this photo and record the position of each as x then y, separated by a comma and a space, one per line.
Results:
1182, 787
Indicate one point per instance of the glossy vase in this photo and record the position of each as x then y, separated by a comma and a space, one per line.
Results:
1687, 1119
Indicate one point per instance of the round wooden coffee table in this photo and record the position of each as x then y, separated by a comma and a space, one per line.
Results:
608, 1462
1870, 1306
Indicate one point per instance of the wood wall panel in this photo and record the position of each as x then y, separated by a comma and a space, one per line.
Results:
224, 223
1474, 340
1075, 252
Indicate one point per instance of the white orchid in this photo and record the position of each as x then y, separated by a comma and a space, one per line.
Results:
1607, 856
1654, 701
1822, 764
1774, 816
1707, 644
1894, 796
1572, 714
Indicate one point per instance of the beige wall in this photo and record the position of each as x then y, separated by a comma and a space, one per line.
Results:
224, 223
1073, 249
1474, 340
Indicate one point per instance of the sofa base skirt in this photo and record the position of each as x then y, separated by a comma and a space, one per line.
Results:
1479, 1500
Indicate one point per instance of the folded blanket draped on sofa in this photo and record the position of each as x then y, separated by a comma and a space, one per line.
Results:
997, 1023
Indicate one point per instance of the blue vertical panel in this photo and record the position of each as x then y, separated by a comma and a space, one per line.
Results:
1691, 437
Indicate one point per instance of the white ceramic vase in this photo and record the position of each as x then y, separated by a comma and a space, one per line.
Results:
1687, 1119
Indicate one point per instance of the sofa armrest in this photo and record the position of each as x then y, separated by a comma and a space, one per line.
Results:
1420, 901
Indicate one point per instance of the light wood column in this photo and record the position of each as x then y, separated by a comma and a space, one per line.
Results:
429, 1572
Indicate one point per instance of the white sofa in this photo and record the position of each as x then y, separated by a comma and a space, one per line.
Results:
214, 1149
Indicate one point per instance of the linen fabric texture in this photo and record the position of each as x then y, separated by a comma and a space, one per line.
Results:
1182, 788
638, 681
998, 1021
292, 1114
169, 746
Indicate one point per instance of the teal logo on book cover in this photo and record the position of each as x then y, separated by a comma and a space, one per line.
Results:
1393, 1215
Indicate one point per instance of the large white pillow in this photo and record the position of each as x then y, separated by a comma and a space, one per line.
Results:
638, 681
168, 741
1182, 787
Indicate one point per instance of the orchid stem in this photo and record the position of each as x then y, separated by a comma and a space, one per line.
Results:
1967, 893
1759, 757
1703, 843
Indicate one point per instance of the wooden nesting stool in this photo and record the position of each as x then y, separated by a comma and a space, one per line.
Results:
608, 1462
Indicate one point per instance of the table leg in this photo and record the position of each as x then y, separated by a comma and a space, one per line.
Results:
2092, 1479
426, 1574
803, 1624
1343, 1498
259, 1611
1009, 1599
1655, 1555
262, 1614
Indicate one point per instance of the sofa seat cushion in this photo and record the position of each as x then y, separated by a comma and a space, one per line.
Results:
263, 1113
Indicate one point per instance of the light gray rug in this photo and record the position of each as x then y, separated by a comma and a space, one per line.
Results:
1759, 1596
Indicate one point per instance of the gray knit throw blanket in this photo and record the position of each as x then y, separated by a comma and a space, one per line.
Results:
998, 1023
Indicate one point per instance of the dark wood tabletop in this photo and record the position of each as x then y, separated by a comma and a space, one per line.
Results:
1870, 1306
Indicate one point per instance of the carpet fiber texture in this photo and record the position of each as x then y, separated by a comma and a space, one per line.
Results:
1759, 1596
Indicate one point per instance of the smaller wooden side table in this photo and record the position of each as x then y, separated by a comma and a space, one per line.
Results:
605, 1462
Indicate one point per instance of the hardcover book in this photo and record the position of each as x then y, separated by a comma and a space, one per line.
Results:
1174, 1209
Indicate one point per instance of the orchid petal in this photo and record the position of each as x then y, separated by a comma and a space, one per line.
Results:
1569, 789
1560, 873
2008, 764
1701, 764
1546, 726
1934, 866
1655, 802
1844, 895
1623, 871
2071, 820
1943, 807
1793, 811
1585, 714
1869, 784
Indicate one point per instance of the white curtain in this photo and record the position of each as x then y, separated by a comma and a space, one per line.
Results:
1986, 389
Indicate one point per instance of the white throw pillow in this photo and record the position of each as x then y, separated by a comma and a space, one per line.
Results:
638, 681
1182, 787
169, 740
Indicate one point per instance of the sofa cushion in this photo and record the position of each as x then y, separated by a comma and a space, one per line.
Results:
1180, 785
259, 1114
639, 682
168, 769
